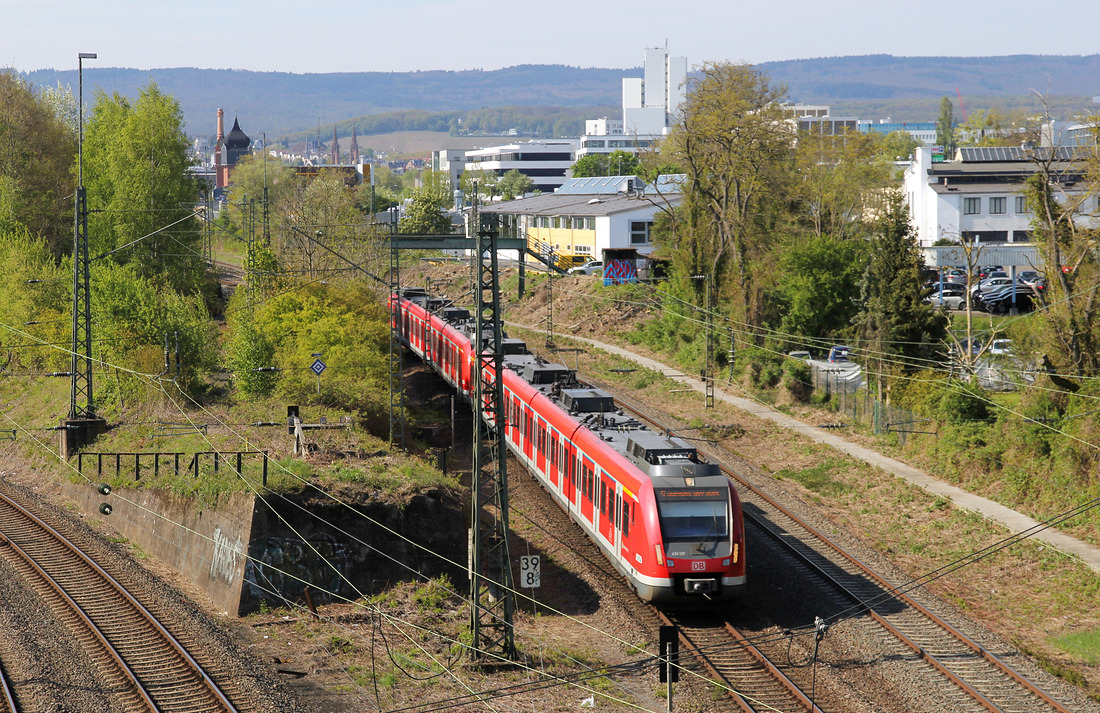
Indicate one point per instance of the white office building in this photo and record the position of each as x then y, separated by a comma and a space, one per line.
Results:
650, 105
979, 195
546, 163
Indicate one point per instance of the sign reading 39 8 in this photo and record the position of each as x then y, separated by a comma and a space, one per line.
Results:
530, 571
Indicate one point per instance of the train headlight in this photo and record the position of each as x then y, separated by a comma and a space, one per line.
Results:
660, 555
736, 551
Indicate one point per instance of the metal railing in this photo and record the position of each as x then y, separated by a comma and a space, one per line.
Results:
153, 461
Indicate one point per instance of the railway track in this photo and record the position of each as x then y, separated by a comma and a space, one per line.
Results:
7, 696
727, 655
147, 667
976, 678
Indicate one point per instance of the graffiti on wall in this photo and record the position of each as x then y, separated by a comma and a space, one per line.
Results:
619, 272
282, 567
225, 560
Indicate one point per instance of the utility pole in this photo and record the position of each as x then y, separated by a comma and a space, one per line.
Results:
82, 424
491, 588
397, 392
250, 259
708, 399
708, 376
267, 223
550, 298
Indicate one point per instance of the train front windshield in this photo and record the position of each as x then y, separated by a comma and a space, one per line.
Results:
693, 514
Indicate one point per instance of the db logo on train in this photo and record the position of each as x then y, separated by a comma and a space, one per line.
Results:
698, 566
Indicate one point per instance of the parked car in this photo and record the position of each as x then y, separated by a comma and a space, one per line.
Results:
954, 275
839, 353
1000, 347
1000, 302
988, 285
799, 354
1029, 277
951, 297
592, 267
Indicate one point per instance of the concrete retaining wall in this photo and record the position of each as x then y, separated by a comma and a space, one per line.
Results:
205, 546
251, 550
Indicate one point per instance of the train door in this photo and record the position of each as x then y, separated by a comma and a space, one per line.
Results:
554, 449
540, 447
620, 521
528, 432
586, 473
606, 496
570, 487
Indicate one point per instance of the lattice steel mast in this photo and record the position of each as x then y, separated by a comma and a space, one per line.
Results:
491, 590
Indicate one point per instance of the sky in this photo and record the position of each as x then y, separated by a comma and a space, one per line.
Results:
309, 36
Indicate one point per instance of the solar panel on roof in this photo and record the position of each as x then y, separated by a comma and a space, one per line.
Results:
1003, 154
988, 154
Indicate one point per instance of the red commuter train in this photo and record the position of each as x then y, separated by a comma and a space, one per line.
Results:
668, 523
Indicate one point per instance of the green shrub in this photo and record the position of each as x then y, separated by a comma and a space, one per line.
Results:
962, 403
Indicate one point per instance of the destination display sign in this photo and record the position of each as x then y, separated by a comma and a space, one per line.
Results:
690, 494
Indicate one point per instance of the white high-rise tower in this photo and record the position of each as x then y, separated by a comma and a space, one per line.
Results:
650, 107
650, 102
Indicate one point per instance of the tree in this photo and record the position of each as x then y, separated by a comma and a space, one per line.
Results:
841, 181
736, 146
945, 127
898, 146
900, 331
37, 155
617, 163
313, 215
819, 286
589, 166
140, 191
1068, 252
514, 185
251, 175
426, 211
480, 183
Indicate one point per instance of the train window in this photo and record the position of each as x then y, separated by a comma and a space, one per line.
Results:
603, 498
695, 519
625, 526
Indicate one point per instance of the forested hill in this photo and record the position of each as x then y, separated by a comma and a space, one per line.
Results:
888, 77
280, 103
873, 86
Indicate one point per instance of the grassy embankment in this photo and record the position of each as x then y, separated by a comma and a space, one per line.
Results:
1030, 450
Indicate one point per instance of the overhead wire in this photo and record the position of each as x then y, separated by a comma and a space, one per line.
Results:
152, 377
135, 372
996, 547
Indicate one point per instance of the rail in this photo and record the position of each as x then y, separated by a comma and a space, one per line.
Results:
979, 689
144, 653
